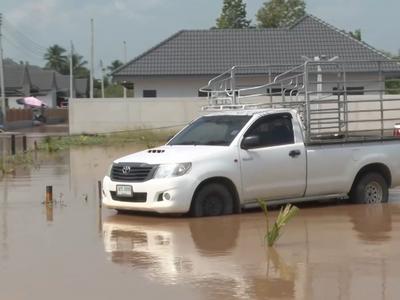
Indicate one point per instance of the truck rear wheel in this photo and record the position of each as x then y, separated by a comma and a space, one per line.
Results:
370, 188
213, 199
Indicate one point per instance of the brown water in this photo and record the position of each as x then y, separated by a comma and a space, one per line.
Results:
74, 250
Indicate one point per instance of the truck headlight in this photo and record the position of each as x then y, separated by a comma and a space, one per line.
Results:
109, 170
172, 170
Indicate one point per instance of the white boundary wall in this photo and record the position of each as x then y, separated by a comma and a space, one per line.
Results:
118, 114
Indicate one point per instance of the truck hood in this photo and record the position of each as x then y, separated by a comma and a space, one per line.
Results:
173, 154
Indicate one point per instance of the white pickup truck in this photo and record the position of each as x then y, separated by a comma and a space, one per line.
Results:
225, 161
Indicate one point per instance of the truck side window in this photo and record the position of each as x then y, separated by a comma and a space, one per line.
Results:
273, 130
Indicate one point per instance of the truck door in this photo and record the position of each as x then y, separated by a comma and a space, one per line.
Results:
273, 163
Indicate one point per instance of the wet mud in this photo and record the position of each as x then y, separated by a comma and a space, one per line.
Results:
74, 249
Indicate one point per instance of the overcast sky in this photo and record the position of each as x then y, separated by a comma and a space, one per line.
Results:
144, 23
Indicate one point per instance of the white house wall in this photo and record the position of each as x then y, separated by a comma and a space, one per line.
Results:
174, 86
50, 98
180, 86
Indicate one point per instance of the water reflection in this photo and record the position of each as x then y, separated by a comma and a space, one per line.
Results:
326, 252
49, 212
373, 223
322, 256
4, 222
215, 236
225, 257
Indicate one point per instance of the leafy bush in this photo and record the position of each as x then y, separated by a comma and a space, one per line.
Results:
392, 86
285, 214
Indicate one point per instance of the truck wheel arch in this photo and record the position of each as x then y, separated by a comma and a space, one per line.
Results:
228, 184
380, 168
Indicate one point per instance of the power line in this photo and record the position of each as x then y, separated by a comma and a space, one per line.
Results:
24, 43
25, 50
21, 47
10, 27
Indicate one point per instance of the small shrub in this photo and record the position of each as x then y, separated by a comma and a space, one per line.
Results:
392, 86
285, 214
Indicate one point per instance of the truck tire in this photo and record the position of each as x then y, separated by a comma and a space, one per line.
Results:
213, 199
370, 188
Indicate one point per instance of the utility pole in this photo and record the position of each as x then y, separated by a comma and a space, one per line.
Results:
71, 74
91, 58
2, 85
102, 79
124, 63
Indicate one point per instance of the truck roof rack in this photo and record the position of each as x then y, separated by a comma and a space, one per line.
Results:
338, 101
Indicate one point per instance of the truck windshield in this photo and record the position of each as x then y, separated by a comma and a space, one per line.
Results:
211, 130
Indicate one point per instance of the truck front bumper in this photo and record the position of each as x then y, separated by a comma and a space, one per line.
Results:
179, 189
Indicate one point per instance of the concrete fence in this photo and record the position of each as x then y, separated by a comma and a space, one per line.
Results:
118, 114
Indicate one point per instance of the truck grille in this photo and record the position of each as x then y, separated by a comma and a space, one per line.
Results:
136, 197
132, 172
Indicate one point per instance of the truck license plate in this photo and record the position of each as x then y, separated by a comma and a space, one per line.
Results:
124, 190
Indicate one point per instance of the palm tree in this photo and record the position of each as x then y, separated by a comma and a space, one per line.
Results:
114, 65
78, 65
55, 58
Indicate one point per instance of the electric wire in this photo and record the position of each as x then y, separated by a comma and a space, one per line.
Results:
22, 49
23, 43
11, 28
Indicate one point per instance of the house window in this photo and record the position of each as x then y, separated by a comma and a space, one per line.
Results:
355, 90
351, 90
202, 94
149, 93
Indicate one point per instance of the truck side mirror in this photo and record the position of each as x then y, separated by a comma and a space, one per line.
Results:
251, 141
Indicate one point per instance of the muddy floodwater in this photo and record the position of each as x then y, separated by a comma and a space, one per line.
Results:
76, 250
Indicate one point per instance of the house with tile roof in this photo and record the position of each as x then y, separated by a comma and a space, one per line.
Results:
186, 61
25, 80
16, 80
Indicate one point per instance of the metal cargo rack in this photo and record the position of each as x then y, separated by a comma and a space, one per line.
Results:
335, 105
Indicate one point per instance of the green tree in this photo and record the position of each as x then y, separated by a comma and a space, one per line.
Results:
115, 64
55, 58
278, 13
356, 34
233, 15
79, 66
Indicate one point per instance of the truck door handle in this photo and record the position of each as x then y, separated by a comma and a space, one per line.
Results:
294, 153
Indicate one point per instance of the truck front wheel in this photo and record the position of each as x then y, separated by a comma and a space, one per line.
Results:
370, 188
213, 199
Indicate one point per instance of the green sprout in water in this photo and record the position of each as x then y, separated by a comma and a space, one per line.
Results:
285, 214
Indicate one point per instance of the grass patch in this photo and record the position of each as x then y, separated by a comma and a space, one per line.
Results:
285, 214
150, 139
144, 137
9, 163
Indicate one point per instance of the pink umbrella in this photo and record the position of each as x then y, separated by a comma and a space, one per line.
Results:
32, 102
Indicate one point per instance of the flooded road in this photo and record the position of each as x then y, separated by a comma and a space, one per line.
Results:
75, 250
